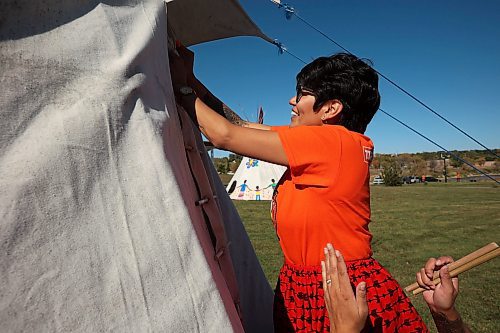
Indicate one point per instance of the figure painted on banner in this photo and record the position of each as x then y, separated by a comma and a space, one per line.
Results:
272, 185
269, 193
258, 192
324, 194
243, 187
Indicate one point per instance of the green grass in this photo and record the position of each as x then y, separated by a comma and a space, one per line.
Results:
411, 223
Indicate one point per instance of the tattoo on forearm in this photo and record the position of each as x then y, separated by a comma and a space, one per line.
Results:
232, 116
444, 325
215, 104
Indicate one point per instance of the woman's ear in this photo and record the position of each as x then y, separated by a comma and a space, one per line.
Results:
331, 109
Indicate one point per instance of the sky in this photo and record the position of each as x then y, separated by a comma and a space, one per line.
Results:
446, 53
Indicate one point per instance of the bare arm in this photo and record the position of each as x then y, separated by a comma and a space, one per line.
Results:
256, 143
446, 324
261, 144
206, 95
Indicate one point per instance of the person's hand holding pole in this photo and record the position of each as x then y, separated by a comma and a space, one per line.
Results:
441, 297
347, 312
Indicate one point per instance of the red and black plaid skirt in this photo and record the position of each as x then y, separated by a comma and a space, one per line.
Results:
299, 305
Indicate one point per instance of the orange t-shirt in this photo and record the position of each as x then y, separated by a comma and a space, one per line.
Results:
324, 196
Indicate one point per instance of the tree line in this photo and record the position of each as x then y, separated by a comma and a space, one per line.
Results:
407, 164
393, 167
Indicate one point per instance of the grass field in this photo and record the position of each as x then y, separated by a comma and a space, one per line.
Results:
411, 223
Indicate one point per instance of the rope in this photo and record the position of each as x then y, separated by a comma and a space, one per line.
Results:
289, 11
282, 49
280, 45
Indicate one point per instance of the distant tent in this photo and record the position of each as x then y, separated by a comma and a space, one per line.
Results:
112, 217
261, 178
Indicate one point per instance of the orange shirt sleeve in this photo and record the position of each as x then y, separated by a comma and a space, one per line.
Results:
313, 153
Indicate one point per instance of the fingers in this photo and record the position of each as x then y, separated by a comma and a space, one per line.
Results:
327, 261
347, 311
447, 282
434, 264
344, 282
332, 273
443, 260
326, 289
419, 280
429, 267
423, 280
426, 274
444, 274
361, 299
323, 274
454, 281
419, 277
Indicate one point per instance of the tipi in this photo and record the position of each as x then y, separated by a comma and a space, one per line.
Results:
112, 217
254, 180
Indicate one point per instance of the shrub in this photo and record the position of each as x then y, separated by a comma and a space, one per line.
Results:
392, 174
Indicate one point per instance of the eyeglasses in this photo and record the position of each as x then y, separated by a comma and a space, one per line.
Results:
301, 91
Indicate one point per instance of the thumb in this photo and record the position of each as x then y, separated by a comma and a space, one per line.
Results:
446, 282
361, 300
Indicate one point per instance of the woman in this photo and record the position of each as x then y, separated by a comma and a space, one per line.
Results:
324, 194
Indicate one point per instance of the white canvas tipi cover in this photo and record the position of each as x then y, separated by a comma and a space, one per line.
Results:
254, 180
112, 217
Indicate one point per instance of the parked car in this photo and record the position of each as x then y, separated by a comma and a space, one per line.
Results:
430, 179
415, 180
411, 180
378, 180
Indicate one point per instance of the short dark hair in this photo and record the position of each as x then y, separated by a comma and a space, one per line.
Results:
347, 78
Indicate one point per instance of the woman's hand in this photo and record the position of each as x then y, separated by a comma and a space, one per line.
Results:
347, 312
440, 298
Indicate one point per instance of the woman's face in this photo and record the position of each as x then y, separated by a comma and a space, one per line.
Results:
303, 110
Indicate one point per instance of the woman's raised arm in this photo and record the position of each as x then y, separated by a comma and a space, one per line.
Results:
252, 140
